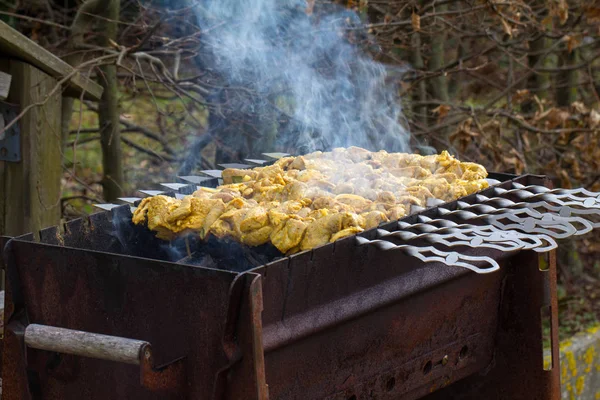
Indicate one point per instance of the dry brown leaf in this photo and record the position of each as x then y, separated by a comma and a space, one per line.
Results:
547, 22
594, 119
592, 13
441, 110
416, 21
579, 107
554, 117
579, 142
565, 180
526, 143
563, 11
520, 96
572, 42
576, 171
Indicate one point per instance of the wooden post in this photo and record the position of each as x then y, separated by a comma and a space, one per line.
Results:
30, 189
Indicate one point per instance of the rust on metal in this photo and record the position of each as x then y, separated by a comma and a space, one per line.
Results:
170, 377
339, 322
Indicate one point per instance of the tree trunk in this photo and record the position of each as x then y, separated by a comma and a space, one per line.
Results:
567, 92
455, 84
108, 111
438, 84
420, 94
538, 82
85, 17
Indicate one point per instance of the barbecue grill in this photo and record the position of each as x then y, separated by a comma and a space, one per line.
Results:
448, 302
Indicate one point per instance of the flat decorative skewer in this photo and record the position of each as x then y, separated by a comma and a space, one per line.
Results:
214, 173
195, 179
174, 186
129, 200
151, 192
255, 161
105, 206
235, 165
276, 156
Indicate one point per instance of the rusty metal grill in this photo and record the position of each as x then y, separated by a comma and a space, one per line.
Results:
393, 313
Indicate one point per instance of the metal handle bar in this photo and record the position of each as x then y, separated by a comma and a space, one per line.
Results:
105, 347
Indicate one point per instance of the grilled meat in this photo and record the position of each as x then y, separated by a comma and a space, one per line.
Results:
299, 203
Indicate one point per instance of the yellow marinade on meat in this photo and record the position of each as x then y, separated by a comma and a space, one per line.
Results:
299, 203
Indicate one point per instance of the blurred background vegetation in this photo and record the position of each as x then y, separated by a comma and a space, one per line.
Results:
513, 85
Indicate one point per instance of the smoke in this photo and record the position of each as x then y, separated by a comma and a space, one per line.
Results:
309, 87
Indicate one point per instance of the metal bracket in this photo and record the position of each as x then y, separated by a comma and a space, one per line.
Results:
10, 139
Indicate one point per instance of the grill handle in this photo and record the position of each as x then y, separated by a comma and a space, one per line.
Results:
86, 344
170, 377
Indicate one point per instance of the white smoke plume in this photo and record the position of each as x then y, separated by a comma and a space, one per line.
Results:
303, 67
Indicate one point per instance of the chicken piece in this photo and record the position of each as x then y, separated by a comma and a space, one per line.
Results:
420, 192
304, 212
343, 188
229, 223
448, 176
195, 214
358, 203
408, 160
154, 211
216, 209
353, 230
358, 154
321, 230
281, 212
234, 175
285, 163
237, 202
257, 237
456, 190
298, 163
430, 163
255, 218
386, 197
321, 212
373, 219
295, 190
310, 175
397, 212
383, 207
366, 193
410, 172
408, 200
276, 217
438, 187
472, 186
325, 202
288, 234
473, 171
205, 192
225, 196
269, 172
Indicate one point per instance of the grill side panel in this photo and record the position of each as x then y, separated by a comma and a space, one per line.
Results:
517, 372
181, 310
350, 321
